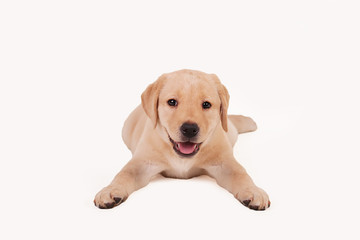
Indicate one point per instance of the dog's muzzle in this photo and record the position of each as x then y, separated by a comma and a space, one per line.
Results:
185, 149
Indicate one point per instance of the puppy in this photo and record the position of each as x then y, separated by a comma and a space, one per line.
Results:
182, 130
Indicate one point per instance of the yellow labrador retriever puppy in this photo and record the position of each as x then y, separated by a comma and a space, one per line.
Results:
182, 130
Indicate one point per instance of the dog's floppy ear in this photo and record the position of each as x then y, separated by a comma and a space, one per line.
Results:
224, 98
150, 98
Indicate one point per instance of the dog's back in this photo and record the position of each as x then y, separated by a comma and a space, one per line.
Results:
134, 127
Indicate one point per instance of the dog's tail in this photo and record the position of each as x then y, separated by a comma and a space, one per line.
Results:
243, 124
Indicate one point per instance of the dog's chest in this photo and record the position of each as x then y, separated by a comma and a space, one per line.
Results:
181, 168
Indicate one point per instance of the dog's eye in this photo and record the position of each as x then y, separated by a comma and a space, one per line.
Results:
206, 105
172, 102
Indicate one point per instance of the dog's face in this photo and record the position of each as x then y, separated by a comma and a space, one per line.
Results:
186, 106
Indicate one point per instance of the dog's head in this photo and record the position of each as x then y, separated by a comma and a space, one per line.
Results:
186, 106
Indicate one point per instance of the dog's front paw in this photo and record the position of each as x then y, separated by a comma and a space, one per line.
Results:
254, 198
110, 197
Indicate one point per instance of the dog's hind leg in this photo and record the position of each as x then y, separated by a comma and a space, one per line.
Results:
243, 124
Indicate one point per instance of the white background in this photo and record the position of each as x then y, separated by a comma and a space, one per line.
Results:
72, 71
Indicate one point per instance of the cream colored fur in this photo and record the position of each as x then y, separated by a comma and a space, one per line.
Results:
147, 130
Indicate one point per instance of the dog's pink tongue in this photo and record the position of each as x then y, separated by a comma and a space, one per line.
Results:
187, 147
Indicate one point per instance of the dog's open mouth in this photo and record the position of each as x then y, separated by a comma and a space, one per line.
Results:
186, 149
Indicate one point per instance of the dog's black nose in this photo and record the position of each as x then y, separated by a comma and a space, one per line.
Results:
189, 130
